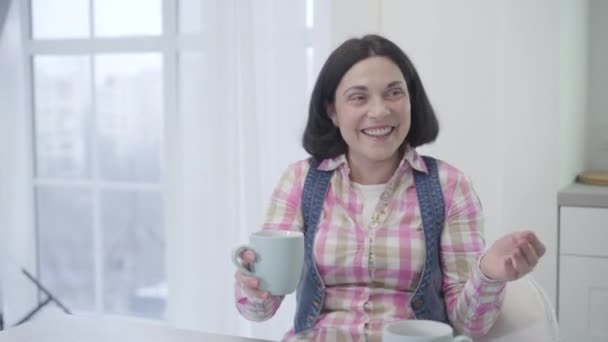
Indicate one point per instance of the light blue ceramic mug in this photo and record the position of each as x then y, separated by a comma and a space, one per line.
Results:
420, 331
279, 260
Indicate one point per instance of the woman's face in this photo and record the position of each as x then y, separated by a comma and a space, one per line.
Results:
372, 110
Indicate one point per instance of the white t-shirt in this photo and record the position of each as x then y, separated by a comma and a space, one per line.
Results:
371, 195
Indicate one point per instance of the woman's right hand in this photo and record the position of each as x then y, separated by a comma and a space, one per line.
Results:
249, 284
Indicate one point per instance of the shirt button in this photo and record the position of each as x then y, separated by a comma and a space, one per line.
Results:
418, 303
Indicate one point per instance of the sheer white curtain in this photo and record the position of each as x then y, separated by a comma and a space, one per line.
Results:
16, 249
242, 98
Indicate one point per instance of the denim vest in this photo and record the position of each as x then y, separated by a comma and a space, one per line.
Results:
427, 301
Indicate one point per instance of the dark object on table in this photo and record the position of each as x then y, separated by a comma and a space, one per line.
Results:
49, 298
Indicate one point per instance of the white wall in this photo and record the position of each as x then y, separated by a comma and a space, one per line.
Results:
574, 46
460, 67
16, 234
352, 18
491, 70
598, 79
531, 126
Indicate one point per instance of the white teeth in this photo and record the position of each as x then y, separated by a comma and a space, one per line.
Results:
378, 132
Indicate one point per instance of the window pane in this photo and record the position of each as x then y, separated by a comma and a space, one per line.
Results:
310, 10
128, 18
60, 19
310, 63
190, 16
62, 106
65, 244
191, 76
129, 116
134, 253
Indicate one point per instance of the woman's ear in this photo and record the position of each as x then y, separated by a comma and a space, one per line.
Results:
331, 112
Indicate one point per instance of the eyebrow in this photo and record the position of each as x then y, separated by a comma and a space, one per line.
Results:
354, 88
363, 88
392, 84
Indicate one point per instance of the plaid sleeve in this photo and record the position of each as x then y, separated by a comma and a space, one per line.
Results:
283, 213
473, 301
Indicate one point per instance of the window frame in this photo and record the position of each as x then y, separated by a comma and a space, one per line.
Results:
167, 46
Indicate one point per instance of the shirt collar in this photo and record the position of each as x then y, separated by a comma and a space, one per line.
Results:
411, 158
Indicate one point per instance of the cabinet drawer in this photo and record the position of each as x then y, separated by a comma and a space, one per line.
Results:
583, 299
584, 231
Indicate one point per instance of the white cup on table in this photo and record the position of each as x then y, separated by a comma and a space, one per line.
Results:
420, 331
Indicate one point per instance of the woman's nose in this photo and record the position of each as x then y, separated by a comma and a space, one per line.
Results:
379, 110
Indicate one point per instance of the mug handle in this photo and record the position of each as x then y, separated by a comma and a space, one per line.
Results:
462, 339
236, 256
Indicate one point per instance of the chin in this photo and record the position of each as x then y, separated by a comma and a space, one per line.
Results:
381, 157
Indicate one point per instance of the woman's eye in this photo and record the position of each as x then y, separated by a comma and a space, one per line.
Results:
357, 98
395, 92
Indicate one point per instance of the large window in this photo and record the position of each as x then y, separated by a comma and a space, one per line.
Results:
97, 72
106, 79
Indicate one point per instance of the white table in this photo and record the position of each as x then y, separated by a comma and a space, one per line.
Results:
73, 328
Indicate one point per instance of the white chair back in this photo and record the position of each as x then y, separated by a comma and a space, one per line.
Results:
526, 315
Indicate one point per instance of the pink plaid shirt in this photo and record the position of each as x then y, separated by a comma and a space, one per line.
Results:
370, 272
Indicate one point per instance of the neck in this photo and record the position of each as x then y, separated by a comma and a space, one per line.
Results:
368, 172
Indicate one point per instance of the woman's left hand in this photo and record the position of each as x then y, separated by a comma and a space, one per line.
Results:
512, 256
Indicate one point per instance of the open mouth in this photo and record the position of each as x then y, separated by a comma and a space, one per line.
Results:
378, 131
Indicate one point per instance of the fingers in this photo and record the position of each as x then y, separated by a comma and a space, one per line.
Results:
525, 256
520, 265
520, 253
246, 281
532, 239
522, 261
247, 258
529, 254
250, 286
255, 293
538, 246
510, 268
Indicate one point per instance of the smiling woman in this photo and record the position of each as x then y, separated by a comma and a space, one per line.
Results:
372, 112
370, 101
389, 234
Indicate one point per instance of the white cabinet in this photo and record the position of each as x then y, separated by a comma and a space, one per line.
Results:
583, 299
583, 266
584, 231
